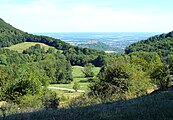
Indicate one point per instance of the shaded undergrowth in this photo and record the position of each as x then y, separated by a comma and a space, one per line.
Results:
157, 106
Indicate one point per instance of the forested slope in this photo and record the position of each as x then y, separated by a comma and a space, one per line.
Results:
162, 44
76, 55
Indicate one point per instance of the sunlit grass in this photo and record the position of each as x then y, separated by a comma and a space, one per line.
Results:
79, 77
67, 96
25, 45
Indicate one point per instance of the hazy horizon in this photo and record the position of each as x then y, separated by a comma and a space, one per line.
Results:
38, 16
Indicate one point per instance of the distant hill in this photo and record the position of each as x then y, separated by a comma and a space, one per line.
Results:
96, 45
162, 44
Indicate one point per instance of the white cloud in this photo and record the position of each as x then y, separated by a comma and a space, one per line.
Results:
54, 16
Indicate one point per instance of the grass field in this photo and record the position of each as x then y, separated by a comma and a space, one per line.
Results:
78, 76
158, 106
67, 96
25, 45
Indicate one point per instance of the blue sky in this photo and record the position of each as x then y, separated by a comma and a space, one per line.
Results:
89, 15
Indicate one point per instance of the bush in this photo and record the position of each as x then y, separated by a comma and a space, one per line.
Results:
161, 76
50, 100
31, 101
76, 86
84, 100
88, 70
121, 80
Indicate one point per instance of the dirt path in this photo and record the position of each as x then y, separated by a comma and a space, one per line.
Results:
67, 89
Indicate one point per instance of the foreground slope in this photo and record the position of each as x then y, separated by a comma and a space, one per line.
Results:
157, 106
162, 44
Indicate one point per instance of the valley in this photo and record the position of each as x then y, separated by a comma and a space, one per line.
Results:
116, 41
46, 78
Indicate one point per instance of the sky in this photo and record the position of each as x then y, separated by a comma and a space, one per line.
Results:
88, 15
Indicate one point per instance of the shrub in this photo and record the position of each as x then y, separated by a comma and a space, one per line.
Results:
161, 76
88, 70
76, 86
50, 100
118, 80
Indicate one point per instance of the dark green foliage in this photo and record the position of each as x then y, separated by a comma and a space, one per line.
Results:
23, 81
76, 55
88, 70
162, 44
25, 74
81, 56
169, 62
161, 75
13, 57
100, 60
26, 85
36, 50
53, 64
147, 61
111, 80
119, 79
10, 35
50, 100
3, 76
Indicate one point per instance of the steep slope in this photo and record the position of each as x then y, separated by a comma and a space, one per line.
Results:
11, 36
162, 44
157, 106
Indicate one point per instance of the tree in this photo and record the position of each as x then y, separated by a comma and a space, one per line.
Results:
161, 76
76, 86
119, 78
50, 100
88, 70
3, 59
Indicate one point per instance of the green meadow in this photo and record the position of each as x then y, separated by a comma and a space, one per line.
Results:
25, 45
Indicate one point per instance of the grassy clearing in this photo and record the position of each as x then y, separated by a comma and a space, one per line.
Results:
25, 45
66, 96
78, 76
156, 106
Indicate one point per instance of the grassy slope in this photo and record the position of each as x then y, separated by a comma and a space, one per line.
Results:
25, 45
152, 107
